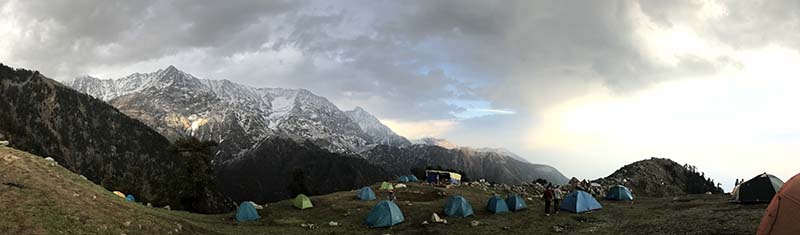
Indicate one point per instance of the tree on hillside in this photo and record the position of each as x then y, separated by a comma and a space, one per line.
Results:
297, 182
194, 176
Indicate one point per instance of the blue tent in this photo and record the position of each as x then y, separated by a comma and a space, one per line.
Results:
457, 206
130, 198
412, 178
384, 214
619, 193
366, 194
515, 202
580, 201
246, 212
403, 179
497, 205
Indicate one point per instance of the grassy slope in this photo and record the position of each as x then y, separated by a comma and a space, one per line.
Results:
47, 206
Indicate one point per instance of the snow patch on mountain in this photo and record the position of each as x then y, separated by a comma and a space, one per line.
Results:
178, 104
380, 133
436, 142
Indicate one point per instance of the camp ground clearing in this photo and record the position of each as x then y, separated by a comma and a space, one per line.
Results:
38, 197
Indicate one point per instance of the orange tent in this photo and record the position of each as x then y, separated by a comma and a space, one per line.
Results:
783, 213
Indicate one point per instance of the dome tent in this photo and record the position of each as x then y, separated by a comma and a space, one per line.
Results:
783, 213
580, 201
366, 194
246, 212
619, 193
386, 186
515, 202
402, 179
457, 206
412, 178
497, 205
302, 202
759, 189
130, 198
384, 214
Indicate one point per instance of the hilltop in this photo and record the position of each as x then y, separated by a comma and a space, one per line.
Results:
41, 197
661, 177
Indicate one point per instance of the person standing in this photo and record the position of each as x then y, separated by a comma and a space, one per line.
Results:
392, 196
557, 196
548, 199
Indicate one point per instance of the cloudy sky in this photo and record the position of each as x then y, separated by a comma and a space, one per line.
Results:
586, 86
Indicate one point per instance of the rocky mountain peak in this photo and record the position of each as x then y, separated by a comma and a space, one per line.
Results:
378, 132
436, 142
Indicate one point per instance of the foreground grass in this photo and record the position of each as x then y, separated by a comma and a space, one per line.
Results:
39, 198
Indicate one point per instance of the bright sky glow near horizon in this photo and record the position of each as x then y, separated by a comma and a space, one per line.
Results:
585, 86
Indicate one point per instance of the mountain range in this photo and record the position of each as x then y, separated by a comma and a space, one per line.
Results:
256, 127
91, 138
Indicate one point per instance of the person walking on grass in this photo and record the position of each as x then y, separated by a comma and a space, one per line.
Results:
557, 196
548, 199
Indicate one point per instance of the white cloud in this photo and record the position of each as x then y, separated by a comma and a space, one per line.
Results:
735, 124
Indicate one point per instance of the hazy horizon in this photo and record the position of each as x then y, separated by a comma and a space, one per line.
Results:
586, 87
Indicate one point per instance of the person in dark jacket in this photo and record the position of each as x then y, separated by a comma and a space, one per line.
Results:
548, 199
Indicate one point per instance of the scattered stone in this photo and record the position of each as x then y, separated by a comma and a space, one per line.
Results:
50, 159
507, 228
126, 223
94, 197
333, 223
436, 219
168, 208
558, 229
346, 214
76, 194
149, 205
424, 222
308, 226
474, 223
83, 177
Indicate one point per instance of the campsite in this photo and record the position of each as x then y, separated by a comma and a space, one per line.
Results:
76, 206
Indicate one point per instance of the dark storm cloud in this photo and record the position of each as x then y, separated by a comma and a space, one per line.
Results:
77, 35
398, 59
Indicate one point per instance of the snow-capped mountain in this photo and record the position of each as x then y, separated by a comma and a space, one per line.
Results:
501, 151
379, 133
450, 145
435, 142
242, 118
177, 104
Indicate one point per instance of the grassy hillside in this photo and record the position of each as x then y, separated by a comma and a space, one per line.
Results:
39, 198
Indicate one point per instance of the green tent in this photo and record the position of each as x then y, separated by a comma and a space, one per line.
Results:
302, 202
386, 186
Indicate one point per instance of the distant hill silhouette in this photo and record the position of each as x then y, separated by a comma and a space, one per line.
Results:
660, 177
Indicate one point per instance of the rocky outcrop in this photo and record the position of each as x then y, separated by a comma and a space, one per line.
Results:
660, 177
